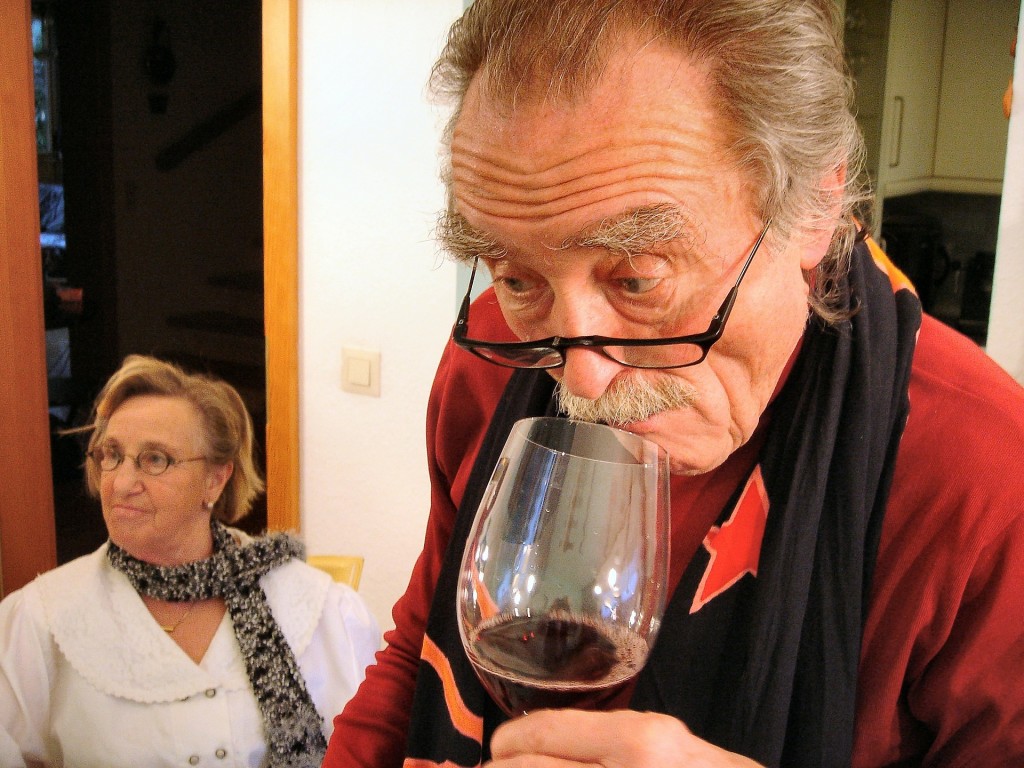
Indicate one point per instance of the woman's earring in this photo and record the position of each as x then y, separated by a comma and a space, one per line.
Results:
209, 505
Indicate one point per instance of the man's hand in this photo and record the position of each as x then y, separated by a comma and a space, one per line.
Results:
562, 738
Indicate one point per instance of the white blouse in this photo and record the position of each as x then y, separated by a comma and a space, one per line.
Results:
89, 679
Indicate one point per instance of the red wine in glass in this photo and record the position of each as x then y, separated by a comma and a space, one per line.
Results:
558, 660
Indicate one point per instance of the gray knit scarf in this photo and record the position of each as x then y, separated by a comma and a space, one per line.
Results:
293, 726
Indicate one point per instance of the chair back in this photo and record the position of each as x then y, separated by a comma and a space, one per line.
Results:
344, 568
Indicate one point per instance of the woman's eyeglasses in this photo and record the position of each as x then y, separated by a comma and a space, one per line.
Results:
151, 461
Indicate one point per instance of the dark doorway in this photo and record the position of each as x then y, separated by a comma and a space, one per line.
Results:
156, 157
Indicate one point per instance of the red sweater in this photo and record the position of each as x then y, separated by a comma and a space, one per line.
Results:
942, 663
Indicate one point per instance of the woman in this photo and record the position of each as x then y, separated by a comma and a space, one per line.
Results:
180, 641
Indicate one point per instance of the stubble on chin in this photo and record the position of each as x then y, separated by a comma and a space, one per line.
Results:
629, 399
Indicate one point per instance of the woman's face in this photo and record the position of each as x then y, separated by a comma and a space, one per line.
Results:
160, 519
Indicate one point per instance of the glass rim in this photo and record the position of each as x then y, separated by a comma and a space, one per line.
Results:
643, 450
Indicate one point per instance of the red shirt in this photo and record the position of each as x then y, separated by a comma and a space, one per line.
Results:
942, 663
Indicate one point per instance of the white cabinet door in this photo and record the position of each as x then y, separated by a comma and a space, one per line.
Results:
971, 138
912, 84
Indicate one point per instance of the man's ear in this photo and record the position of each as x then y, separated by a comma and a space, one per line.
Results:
815, 240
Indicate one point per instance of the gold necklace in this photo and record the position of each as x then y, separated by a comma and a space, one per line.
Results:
169, 628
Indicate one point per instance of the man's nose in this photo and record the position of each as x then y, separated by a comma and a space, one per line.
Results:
587, 373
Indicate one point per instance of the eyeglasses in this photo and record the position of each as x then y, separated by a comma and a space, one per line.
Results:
151, 461
671, 352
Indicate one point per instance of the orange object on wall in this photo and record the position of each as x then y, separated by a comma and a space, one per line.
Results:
1008, 95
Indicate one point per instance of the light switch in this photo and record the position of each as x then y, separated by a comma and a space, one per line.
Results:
360, 371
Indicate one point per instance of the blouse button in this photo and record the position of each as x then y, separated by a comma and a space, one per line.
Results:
211, 692
194, 760
221, 754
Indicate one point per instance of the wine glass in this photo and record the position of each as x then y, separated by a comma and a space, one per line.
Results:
563, 578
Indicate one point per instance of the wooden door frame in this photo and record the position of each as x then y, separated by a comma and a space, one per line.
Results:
280, 259
28, 543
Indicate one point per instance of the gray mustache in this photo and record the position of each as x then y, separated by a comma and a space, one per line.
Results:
629, 398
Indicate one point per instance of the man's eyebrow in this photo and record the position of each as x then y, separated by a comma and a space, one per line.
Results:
464, 241
630, 232
637, 230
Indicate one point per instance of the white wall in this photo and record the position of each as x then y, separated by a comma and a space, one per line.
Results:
369, 277
1005, 341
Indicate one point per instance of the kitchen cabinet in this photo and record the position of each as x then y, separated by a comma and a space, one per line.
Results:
913, 78
930, 77
970, 144
865, 38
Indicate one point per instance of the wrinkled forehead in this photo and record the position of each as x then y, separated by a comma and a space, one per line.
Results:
646, 124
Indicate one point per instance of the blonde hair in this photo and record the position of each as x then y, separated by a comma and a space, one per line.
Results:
775, 68
227, 425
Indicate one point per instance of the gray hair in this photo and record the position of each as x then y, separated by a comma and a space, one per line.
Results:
776, 72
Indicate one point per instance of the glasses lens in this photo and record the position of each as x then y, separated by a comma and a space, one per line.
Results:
657, 356
154, 462
530, 357
107, 457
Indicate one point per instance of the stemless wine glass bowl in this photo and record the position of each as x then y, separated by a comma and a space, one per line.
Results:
564, 573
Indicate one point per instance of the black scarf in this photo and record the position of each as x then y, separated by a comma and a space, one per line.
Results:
767, 669
293, 726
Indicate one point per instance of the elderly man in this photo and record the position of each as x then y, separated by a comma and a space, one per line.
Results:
687, 171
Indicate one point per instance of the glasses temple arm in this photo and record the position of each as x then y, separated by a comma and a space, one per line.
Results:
464, 309
750, 258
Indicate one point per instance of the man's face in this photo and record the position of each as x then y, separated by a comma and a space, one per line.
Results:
622, 215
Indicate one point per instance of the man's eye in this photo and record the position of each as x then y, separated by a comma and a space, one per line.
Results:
514, 284
639, 285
